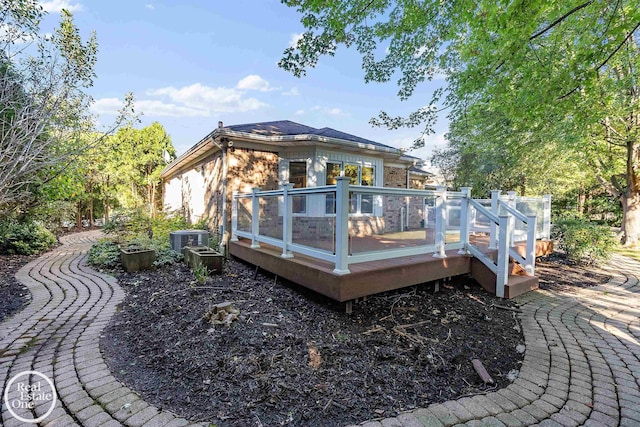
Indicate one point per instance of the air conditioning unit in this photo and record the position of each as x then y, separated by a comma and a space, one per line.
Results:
181, 238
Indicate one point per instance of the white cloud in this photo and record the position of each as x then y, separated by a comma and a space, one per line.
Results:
293, 41
299, 112
111, 106
255, 82
58, 5
214, 100
331, 111
196, 100
149, 6
292, 92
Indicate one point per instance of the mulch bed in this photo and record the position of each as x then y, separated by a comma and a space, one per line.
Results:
293, 357
14, 296
561, 274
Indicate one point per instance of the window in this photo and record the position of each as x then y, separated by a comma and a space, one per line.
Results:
298, 177
333, 171
359, 175
352, 171
366, 200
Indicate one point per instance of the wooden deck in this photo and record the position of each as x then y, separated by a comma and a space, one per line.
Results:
366, 278
370, 278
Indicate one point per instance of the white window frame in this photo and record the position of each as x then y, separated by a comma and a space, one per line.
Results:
286, 174
358, 212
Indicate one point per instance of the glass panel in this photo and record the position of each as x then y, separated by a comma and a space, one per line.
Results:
298, 177
366, 200
269, 220
367, 176
315, 232
333, 171
298, 174
366, 204
352, 172
244, 214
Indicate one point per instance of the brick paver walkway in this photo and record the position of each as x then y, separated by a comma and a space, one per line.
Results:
58, 335
581, 367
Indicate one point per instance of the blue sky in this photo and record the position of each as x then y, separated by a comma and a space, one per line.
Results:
192, 63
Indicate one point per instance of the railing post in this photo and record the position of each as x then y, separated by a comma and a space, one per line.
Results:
546, 217
255, 217
342, 225
512, 219
464, 220
502, 276
287, 220
530, 257
234, 216
441, 222
493, 228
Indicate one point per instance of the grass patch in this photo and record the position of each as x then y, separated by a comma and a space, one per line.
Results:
633, 253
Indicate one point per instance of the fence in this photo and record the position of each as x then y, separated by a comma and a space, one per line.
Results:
345, 224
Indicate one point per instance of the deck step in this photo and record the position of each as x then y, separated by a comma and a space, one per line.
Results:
519, 282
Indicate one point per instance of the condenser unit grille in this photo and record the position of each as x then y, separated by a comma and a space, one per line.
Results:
181, 238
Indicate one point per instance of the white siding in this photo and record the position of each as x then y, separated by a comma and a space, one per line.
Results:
193, 191
173, 195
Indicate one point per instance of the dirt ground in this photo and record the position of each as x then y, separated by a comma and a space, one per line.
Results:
13, 295
276, 354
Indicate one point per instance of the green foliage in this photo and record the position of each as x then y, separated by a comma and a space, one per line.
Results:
201, 273
136, 227
25, 237
540, 94
135, 224
584, 241
167, 256
105, 253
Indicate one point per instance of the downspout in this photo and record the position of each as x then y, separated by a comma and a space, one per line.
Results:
407, 200
223, 145
225, 182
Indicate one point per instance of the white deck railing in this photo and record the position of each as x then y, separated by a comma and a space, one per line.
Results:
444, 215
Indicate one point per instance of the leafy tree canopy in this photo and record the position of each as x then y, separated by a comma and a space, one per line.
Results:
524, 79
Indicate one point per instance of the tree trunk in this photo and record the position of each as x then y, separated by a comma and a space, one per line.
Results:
106, 209
631, 220
582, 198
153, 201
91, 213
631, 197
79, 215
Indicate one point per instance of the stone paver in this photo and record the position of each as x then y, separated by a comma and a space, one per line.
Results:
58, 335
581, 365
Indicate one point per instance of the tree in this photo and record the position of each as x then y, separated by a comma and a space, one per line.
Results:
139, 155
564, 71
44, 107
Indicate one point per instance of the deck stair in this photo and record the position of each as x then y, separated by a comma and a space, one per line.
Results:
518, 282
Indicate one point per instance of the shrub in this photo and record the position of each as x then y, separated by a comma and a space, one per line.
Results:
136, 227
24, 237
105, 253
583, 241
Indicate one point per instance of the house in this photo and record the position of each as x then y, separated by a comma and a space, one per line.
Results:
238, 158
349, 217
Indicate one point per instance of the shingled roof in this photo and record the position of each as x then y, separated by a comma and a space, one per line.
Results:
287, 127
